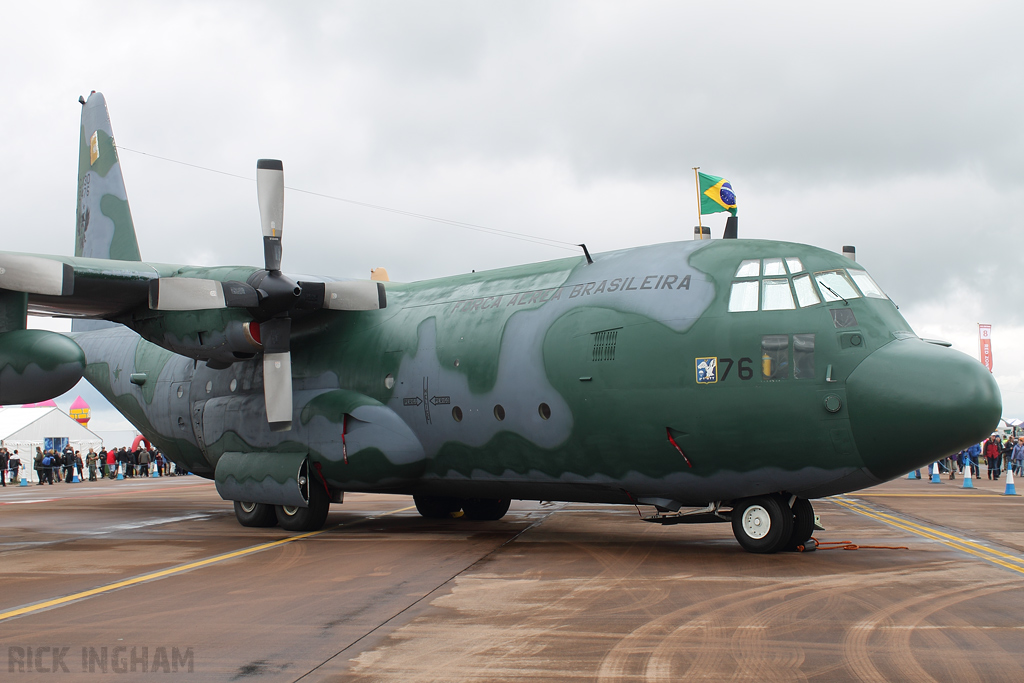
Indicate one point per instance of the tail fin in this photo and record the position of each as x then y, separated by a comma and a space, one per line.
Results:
105, 228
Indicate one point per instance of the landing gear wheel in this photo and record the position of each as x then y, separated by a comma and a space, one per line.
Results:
306, 519
486, 508
803, 524
762, 524
255, 514
436, 507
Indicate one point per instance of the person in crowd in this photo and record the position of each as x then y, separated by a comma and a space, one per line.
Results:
90, 461
993, 454
14, 463
161, 464
79, 466
1006, 453
67, 459
5, 458
112, 463
37, 465
144, 458
973, 453
1017, 456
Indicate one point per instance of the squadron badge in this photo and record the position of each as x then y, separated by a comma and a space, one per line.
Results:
707, 370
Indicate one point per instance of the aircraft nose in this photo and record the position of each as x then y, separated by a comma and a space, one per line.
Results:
913, 402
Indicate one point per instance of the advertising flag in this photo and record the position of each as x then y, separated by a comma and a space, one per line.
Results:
716, 194
985, 335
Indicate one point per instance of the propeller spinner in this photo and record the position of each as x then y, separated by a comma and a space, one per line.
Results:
271, 297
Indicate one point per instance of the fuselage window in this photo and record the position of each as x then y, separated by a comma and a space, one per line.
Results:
843, 317
794, 264
835, 285
777, 295
805, 293
773, 266
775, 356
743, 296
867, 285
749, 268
803, 356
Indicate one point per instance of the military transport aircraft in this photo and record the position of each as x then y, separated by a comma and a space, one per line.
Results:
740, 378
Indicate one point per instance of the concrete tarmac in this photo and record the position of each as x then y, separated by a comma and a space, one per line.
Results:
155, 575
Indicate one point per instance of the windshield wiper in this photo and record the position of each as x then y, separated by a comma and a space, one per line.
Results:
833, 292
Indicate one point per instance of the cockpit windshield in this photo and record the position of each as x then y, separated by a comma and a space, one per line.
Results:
867, 285
836, 285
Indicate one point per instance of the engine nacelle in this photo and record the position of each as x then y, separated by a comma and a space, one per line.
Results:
37, 365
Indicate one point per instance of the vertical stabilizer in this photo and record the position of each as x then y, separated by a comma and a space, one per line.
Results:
104, 228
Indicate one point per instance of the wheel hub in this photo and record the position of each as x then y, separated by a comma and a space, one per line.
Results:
756, 522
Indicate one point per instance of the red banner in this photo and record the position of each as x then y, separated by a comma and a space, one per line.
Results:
985, 335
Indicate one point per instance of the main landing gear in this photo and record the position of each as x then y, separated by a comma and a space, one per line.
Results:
442, 507
287, 517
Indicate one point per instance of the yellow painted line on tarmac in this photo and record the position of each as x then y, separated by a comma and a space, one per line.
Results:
929, 495
1012, 562
164, 573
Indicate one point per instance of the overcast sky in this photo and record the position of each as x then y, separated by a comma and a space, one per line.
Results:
892, 126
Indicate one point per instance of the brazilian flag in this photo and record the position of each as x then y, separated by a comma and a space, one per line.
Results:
716, 194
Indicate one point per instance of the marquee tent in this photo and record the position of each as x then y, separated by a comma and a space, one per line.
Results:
23, 429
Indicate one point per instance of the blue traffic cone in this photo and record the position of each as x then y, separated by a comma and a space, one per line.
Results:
75, 479
120, 474
935, 474
910, 475
1011, 490
24, 481
968, 482
156, 472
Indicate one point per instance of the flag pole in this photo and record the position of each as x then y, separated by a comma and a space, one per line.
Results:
696, 179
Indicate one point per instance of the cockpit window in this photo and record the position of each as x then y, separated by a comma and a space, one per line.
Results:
803, 356
843, 317
775, 356
805, 293
743, 296
777, 295
749, 268
835, 285
794, 264
867, 285
773, 266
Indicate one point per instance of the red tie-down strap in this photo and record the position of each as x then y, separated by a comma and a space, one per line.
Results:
671, 440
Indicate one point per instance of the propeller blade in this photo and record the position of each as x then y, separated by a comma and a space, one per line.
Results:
354, 295
36, 275
195, 294
270, 193
275, 335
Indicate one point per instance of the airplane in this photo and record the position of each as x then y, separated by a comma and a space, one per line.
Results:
725, 380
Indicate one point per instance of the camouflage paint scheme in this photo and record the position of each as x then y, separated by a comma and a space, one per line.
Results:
559, 380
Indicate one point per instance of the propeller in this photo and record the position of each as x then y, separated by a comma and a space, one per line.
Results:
270, 296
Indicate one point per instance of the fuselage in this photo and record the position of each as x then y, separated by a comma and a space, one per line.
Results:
684, 373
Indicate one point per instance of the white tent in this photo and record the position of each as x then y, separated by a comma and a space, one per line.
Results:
23, 429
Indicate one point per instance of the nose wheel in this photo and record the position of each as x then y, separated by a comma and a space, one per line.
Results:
762, 524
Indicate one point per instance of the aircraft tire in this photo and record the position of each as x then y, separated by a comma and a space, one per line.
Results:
436, 507
803, 524
255, 514
762, 524
485, 509
309, 518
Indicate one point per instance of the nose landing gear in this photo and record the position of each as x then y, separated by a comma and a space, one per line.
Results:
768, 524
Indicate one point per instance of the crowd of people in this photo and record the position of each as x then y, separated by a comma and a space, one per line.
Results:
1000, 454
52, 466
